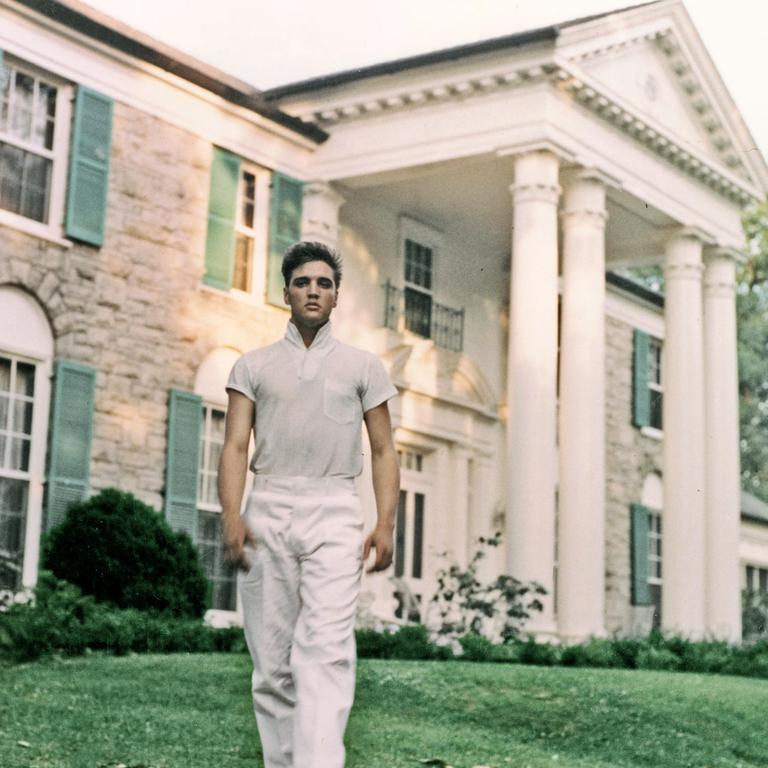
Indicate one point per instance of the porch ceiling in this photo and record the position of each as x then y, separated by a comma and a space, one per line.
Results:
469, 201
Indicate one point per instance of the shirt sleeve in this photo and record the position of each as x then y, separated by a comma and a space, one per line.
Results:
240, 379
378, 387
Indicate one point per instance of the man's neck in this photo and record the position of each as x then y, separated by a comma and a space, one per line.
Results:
308, 333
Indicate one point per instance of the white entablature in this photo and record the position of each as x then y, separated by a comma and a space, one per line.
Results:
643, 71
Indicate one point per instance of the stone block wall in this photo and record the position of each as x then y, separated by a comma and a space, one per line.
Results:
630, 456
136, 308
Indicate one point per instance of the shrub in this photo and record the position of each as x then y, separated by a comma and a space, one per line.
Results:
408, 642
653, 657
63, 620
594, 653
122, 551
477, 648
497, 609
543, 654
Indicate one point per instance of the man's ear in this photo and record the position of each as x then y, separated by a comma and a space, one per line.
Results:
335, 297
285, 295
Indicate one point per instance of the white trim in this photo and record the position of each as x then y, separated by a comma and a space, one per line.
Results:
652, 432
633, 313
53, 228
41, 41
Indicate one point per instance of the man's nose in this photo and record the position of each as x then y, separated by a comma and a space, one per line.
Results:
313, 289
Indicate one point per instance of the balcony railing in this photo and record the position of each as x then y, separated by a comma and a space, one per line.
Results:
409, 309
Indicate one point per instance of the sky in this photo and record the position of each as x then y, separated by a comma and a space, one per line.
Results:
273, 42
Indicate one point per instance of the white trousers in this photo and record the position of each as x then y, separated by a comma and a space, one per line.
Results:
299, 599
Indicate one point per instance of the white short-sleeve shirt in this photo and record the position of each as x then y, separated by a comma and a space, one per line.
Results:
310, 403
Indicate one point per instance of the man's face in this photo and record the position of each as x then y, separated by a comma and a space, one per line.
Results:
311, 294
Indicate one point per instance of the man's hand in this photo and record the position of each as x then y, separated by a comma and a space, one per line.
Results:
381, 540
236, 536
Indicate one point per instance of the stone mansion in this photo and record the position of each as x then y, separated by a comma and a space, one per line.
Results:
490, 203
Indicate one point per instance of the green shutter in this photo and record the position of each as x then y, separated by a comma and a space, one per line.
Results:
284, 230
185, 420
641, 395
222, 210
639, 538
71, 432
89, 167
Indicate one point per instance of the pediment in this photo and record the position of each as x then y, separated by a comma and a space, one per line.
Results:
653, 78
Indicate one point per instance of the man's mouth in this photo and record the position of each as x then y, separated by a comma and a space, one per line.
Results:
312, 306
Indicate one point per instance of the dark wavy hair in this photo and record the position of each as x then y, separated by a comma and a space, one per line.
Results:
304, 252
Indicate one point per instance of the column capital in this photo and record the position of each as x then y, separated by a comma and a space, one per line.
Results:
585, 189
720, 271
689, 233
317, 188
536, 177
320, 215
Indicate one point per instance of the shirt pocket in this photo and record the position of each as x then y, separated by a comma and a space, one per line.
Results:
339, 404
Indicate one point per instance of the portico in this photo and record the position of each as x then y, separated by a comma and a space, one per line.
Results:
537, 174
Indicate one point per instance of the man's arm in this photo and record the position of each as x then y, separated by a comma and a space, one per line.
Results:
233, 468
386, 485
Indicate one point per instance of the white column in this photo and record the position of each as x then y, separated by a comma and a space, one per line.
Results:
581, 512
320, 213
723, 483
461, 544
531, 378
683, 521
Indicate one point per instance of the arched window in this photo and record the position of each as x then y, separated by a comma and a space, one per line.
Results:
26, 353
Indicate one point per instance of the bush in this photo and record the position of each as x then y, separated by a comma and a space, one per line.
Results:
63, 620
408, 642
595, 653
497, 609
122, 551
653, 657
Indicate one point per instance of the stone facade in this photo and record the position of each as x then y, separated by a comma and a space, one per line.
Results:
136, 308
630, 457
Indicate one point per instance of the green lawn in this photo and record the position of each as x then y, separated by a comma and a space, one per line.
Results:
193, 711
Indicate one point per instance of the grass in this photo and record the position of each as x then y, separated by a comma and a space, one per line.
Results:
193, 711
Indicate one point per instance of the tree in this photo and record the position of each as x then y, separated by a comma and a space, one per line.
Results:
752, 309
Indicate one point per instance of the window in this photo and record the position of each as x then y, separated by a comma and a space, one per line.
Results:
209, 539
410, 533
647, 382
238, 225
17, 399
756, 579
654, 382
418, 288
33, 109
250, 234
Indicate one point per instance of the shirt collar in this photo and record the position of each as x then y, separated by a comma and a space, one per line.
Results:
322, 339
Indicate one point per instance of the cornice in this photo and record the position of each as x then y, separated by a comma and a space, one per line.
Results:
668, 43
653, 137
566, 76
413, 97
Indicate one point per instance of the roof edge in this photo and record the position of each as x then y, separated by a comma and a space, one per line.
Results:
98, 26
541, 34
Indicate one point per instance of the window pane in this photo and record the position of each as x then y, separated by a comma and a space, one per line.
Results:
13, 513
5, 89
656, 409
25, 379
5, 374
418, 535
19, 458
34, 202
400, 535
22, 418
242, 274
418, 312
45, 109
23, 105
5, 411
11, 169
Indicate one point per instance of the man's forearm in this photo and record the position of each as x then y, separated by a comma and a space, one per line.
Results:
233, 467
386, 487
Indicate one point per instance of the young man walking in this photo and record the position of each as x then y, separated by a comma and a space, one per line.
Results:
300, 544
